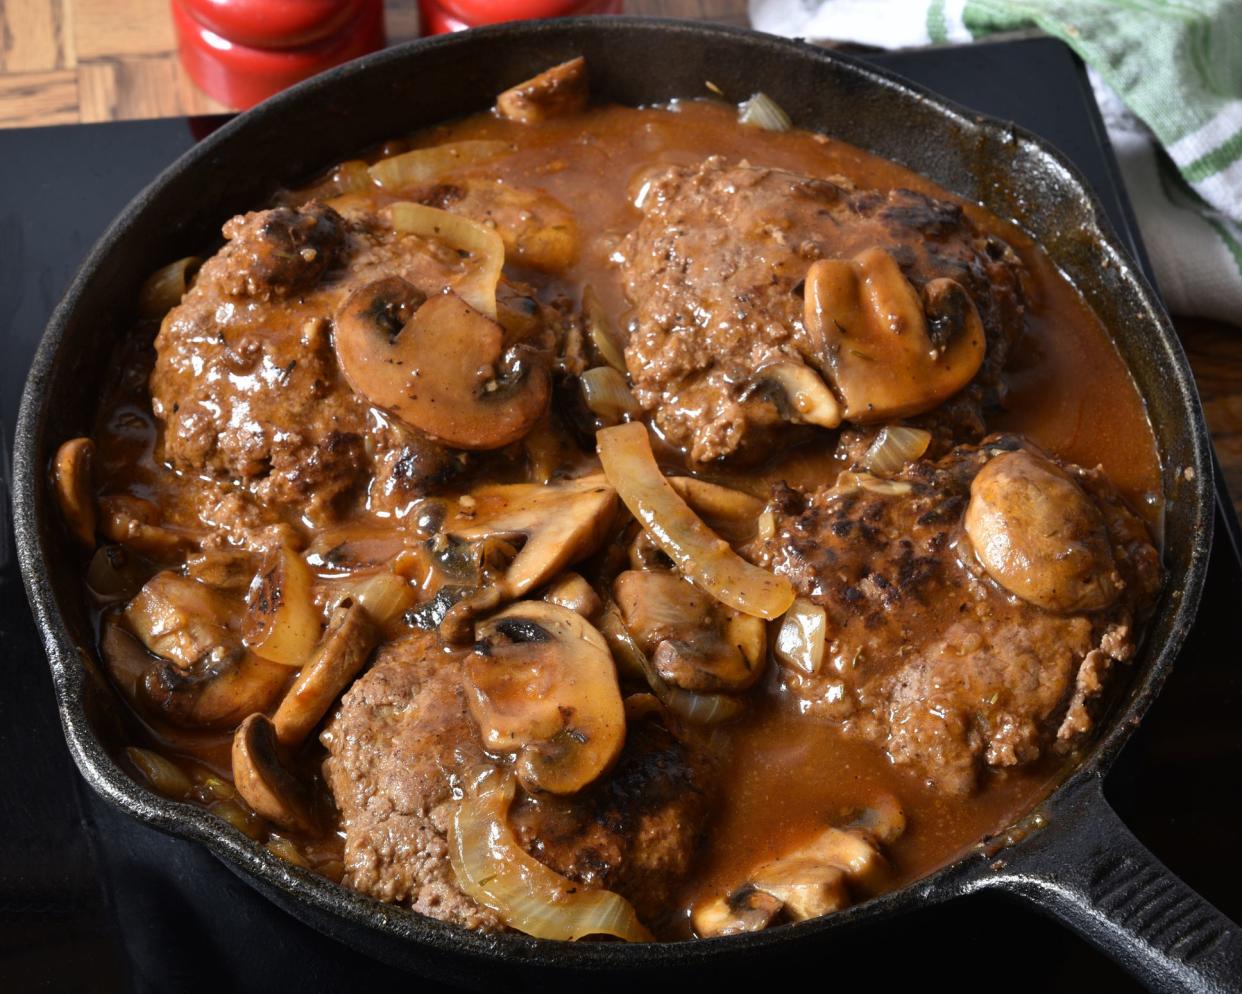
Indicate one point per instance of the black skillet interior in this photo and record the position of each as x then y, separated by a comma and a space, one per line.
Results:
633, 62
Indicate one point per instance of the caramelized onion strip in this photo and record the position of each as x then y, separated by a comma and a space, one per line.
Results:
429, 165
895, 446
496, 871
481, 243
165, 287
802, 636
700, 554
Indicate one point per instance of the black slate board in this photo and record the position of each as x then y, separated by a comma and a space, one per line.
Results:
92, 901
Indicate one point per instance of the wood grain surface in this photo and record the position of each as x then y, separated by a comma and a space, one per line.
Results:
71, 61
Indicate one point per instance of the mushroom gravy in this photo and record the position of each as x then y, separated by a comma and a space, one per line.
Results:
459, 617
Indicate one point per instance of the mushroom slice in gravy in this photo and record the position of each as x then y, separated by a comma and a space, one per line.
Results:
541, 682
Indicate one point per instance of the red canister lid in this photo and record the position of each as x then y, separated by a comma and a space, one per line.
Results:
440, 16
241, 74
273, 23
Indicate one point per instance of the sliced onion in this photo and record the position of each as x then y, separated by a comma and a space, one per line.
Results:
865, 481
164, 776
496, 871
283, 625
697, 709
286, 850
483, 244
702, 556
802, 636
764, 112
895, 446
702, 709
429, 165
166, 286
629, 657
384, 596
766, 527
607, 395
600, 331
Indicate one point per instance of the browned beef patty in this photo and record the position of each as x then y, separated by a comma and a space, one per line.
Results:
714, 271
403, 731
246, 385
927, 655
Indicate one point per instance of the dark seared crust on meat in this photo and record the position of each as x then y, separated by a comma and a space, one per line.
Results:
714, 271
637, 831
403, 732
927, 655
276, 252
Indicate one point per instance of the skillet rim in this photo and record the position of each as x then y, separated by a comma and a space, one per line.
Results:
326, 898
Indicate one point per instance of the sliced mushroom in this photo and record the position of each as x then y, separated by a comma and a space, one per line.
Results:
439, 365
745, 910
264, 782
806, 887
852, 851
867, 322
571, 591
136, 523
556, 92
71, 473
559, 523
282, 624
1039, 535
457, 625
117, 574
182, 620
219, 691
808, 400
645, 553
731, 513
348, 641
694, 642
816, 878
541, 683
882, 819
224, 569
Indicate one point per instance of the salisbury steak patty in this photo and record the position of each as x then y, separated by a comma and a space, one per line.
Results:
928, 653
715, 271
246, 385
403, 732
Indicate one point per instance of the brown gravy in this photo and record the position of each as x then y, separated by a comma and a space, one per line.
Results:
1069, 391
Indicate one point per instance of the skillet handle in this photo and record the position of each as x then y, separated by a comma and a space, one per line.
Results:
1087, 869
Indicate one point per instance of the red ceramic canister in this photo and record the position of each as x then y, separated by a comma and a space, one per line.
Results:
242, 51
440, 16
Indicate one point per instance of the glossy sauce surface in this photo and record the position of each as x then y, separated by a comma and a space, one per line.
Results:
784, 774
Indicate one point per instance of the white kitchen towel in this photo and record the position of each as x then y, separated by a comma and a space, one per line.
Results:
1168, 77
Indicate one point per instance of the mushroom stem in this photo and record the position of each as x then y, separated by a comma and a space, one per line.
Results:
262, 780
343, 651
71, 472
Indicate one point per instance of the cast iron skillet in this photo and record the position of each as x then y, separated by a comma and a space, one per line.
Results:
1075, 859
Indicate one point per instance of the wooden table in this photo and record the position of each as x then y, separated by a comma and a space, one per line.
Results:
72, 61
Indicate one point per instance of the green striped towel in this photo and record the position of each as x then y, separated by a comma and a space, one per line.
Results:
1176, 67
